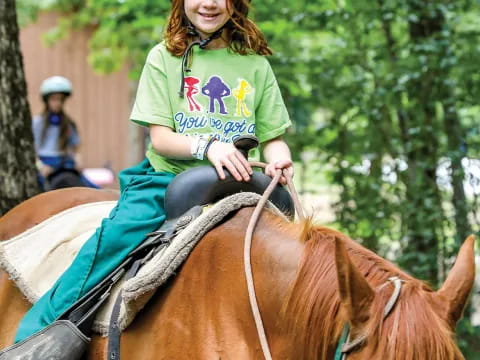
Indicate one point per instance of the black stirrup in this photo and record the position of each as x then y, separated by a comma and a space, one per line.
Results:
201, 186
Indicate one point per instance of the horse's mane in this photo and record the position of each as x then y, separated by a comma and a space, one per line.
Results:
413, 330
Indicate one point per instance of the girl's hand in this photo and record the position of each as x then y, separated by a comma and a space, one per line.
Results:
46, 170
222, 154
286, 165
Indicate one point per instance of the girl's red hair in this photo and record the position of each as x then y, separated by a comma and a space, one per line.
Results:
241, 33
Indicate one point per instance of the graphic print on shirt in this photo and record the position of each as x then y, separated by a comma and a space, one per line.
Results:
192, 89
240, 93
204, 117
216, 90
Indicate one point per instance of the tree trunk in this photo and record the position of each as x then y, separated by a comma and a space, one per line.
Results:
18, 179
457, 151
423, 221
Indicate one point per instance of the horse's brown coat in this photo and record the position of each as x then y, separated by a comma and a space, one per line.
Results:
204, 312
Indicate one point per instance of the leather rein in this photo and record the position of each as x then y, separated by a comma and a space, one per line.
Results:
346, 345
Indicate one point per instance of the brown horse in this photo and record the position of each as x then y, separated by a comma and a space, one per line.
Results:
309, 281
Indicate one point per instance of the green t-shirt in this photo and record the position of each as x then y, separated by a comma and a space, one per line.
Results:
226, 95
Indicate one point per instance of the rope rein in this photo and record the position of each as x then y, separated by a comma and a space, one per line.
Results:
349, 345
248, 246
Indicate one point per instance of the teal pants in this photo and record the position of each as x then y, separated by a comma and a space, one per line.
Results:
139, 211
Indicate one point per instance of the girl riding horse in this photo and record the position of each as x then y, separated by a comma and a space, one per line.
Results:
223, 49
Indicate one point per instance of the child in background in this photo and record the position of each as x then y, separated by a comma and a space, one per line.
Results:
55, 133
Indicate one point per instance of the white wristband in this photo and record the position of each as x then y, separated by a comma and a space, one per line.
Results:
194, 146
202, 144
197, 148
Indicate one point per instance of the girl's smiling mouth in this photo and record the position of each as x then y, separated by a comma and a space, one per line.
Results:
208, 16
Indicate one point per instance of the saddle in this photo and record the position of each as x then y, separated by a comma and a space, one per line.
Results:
67, 337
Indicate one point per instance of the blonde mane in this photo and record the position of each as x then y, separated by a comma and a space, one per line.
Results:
413, 331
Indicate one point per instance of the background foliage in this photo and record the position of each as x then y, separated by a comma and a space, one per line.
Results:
384, 97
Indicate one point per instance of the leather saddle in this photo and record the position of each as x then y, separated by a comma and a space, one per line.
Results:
202, 186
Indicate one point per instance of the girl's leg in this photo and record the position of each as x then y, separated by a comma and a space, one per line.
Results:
138, 212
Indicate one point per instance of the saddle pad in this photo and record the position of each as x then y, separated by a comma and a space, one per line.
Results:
36, 258
29, 257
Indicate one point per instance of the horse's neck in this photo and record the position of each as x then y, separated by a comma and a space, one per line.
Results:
275, 256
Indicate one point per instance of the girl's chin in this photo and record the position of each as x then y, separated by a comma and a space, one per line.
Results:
207, 31
209, 27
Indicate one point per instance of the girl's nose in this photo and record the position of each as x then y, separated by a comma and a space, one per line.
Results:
209, 3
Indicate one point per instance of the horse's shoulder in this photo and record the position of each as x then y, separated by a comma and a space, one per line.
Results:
40, 207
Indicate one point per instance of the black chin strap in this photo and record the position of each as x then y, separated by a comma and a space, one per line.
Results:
202, 43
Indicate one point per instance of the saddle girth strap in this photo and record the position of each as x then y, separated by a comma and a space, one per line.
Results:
114, 330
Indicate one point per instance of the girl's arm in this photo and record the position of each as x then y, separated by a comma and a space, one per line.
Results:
277, 154
44, 169
170, 144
